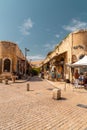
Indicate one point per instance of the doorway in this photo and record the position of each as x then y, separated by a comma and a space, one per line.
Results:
7, 64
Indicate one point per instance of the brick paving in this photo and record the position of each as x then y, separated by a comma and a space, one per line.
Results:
36, 110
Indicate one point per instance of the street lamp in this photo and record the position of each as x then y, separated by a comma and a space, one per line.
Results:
26, 50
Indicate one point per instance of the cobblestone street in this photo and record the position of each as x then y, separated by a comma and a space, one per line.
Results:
36, 110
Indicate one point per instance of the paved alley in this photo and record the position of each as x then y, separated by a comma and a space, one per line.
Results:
36, 110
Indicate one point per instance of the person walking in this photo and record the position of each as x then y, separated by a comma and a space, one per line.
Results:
76, 75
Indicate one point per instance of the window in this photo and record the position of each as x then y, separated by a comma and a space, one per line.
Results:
7, 64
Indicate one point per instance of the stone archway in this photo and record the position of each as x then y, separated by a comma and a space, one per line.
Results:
7, 65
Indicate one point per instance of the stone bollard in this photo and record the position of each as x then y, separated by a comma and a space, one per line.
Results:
56, 93
13, 79
28, 87
6, 81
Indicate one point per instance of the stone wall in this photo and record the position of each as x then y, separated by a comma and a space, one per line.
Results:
11, 51
73, 45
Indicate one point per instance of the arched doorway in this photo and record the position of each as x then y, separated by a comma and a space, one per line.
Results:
7, 64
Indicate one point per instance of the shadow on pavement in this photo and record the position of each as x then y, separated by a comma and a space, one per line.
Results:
82, 105
22, 81
62, 98
35, 79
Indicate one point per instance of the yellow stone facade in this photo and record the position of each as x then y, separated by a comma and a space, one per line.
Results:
12, 59
69, 50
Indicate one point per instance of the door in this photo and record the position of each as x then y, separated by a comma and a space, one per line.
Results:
7, 65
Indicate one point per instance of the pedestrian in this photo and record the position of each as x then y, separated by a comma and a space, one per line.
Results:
58, 75
42, 74
81, 78
76, 76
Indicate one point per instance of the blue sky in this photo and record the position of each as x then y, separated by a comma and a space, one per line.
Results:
40, 25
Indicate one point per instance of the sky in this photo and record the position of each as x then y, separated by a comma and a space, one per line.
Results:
40, 25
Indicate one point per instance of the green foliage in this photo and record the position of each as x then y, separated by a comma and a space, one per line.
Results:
35, 71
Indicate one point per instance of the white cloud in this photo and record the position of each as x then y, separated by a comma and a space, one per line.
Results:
49, 46
26, 26
57, 35
75, 25
35, 57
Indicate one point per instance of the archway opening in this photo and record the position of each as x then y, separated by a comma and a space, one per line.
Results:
7, 65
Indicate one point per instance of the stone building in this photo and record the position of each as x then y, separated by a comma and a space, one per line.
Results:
12, 59
72, 48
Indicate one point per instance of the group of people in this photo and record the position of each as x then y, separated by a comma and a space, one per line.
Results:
53, 75
80, 78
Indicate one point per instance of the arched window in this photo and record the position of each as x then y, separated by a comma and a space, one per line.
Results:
7, 64
74, 58
81, 56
